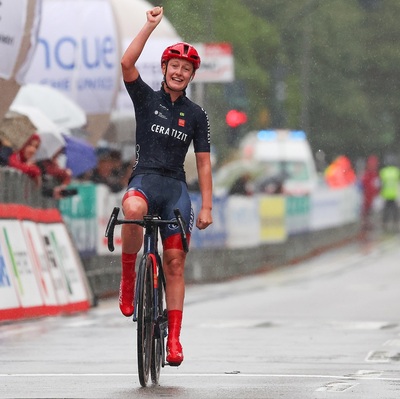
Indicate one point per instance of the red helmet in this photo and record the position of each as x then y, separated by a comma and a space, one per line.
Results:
183, 51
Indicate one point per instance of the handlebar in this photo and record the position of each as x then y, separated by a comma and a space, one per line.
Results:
147, 221
109, 234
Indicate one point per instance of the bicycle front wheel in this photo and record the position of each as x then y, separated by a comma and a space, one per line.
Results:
145, 324
158, 349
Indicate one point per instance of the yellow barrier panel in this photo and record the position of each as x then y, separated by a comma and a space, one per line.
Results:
272, 214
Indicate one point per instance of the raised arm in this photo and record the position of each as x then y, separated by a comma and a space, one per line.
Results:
132, 53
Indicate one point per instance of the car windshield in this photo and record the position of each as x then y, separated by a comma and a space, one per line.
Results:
260, 172
229, 173
287, 170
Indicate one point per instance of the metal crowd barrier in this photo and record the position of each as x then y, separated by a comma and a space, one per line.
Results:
18, 188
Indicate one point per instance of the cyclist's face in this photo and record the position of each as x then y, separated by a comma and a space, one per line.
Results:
178, 73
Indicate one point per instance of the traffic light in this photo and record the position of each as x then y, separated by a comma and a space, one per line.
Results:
235, 119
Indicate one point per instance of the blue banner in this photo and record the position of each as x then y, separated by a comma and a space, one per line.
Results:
215, 235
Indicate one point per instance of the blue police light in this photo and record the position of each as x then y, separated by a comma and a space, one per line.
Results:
267, 135
297, 135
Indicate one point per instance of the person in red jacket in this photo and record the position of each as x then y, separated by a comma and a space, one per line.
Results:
370, 185
340, 173
24, 159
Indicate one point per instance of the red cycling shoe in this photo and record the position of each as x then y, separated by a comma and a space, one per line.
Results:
174, 353
126, 297
174, 347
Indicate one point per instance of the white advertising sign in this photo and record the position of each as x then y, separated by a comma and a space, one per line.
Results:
216, 63
242, 222
334, 207
12, 23
39, 258
60, 249
25, 276
77, 52
8, 294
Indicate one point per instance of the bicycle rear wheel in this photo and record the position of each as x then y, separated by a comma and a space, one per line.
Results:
158, 347
145, 324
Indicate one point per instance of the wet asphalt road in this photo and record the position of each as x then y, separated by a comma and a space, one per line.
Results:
325, 328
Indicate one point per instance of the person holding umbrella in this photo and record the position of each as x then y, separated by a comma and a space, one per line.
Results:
24, 159
18, 131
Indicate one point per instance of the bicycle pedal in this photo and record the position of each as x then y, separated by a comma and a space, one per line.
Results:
173, 364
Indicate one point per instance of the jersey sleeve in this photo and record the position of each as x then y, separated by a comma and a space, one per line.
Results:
138, 91
202, 137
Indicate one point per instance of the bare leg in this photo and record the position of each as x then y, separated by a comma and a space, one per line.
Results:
174, 265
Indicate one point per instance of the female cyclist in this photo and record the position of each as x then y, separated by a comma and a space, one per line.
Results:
166, 123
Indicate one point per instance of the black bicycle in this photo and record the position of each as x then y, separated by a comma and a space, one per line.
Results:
149, 310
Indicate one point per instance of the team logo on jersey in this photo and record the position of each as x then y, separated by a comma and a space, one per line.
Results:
160, 114
181, 122
137, 156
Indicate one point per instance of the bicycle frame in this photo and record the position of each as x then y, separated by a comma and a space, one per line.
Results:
159, 321
150, 248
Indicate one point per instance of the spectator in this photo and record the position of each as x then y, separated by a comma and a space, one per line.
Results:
109, 170
242, 185
340, 173
23, 159
390, 179
5, 152
55, 178
370, 187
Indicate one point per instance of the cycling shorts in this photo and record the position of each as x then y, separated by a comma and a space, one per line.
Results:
163, 195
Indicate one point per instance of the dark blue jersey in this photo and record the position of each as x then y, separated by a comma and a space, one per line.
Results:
164, 130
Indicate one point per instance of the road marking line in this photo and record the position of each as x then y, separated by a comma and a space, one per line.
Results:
392, 342
337, 387
216, 375
365, 373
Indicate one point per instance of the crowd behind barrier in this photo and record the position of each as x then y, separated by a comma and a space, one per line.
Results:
248, 234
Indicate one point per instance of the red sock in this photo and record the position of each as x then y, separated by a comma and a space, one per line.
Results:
127, 285
174, 324
128, 262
